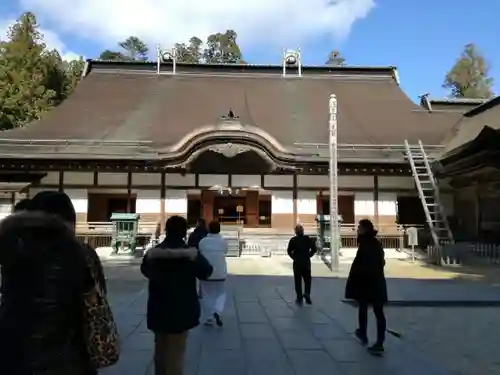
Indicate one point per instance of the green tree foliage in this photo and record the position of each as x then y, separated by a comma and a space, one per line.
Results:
469, 77
223, 48
29, 79
133, 49
32, 79
73, 73
335, 59
190, 53
112, 55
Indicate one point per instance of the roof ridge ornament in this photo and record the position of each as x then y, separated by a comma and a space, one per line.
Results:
230, 116
292, 59
167, 57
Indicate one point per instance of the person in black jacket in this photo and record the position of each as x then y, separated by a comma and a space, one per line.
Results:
173, 306
366, 283
199, 233
44, 279
301, 248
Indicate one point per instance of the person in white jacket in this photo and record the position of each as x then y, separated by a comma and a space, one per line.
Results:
214, 248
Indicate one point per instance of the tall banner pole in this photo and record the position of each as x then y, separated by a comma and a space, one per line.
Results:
333, 169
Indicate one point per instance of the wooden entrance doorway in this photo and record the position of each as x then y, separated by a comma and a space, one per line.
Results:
230, 210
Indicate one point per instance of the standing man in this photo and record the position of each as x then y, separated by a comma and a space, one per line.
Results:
214, 248
199, 233
301, 248
173, 307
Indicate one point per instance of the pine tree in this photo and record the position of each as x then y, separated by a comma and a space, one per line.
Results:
469, 77
31, 79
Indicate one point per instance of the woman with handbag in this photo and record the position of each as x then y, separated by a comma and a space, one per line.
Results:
45, 278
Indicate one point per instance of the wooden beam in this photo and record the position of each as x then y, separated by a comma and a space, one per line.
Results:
163, 193
129, 192
12, 201
61, 181
295, 196
375, 200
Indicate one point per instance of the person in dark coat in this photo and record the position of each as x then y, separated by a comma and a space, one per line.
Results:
44, 279
173, 306
58, 203
22, 205
301, 248
366, 283
199, 233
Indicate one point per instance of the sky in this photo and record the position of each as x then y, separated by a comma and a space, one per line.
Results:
422, 38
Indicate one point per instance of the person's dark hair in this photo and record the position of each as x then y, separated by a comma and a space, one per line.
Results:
368, 227
214, 227
299, 230
22, 205
55, 203
176, 226
201, 222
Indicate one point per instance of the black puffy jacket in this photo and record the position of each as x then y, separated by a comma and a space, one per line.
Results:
43, 278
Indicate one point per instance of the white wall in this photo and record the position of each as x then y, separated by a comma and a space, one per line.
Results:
113, 179
282, 202
396, 182
387, 204
306, 202
70, 178
34, 191
79, 198
363, 204
148, 201
209, 180
278, 181
177, 179
176, 201
322, 181
243, 181
146, 179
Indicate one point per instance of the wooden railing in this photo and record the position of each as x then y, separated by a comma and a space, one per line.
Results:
99, 234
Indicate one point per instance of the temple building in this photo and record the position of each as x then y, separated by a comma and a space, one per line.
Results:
240, 143
471, 165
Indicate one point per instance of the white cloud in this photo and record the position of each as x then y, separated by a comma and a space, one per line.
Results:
51, 39
283, 23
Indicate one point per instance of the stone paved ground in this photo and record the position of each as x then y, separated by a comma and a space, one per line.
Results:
265, 333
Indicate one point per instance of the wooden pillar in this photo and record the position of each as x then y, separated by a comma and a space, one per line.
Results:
375, 200
252, 208
61, 181
319, 202
295, 196
207, 205
162, 200
12, 201
129, 192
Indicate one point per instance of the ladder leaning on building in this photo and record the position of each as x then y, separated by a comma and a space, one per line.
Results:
428, 191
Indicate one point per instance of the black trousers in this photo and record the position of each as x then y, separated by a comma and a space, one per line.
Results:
302, 272
378, 311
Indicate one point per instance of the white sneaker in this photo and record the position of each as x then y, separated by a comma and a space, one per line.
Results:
209, 322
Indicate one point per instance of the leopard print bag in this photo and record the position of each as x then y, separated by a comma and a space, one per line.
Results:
101, 333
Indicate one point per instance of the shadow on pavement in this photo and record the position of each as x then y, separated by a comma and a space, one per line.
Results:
265, 332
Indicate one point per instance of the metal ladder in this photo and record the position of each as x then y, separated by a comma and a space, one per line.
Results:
428, 191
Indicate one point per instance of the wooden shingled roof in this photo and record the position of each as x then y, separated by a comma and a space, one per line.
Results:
130, 102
